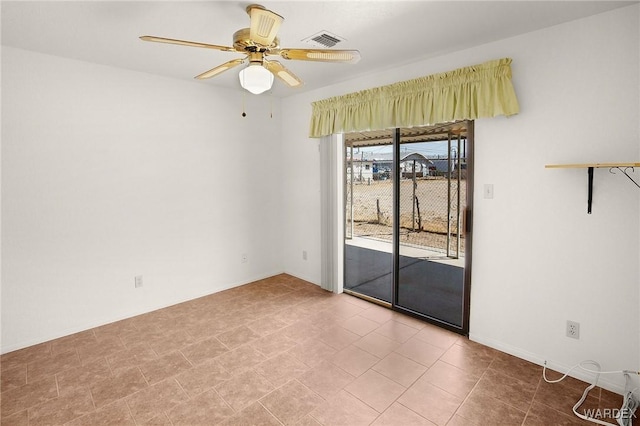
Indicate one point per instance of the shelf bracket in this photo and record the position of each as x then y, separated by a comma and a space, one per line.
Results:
590, 197
624, 172
622, 167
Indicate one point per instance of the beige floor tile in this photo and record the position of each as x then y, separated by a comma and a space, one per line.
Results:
377, 314
377, 344
364, 304
25, 355
237, 337
431, 402
73, 341
138, 337
102, 348
13, 377
114, 329
203, 350
517, 368
131, 357
562, 396
541, 415
266, 325
400, 369
284, 348
160, 420
313, 352
398, 414
347, 309
291, 402
281, 368
301, 331
253, 415
396, 330
324, 319
122, 384
206, 409
148, 402
293, 315
338, 337
450, 378
308, 420
20, 418
56, 363
114, 414
244, 389
408, 320
467, 359
344, 409
273, 344
354, 360
360, 325
510, 390
29, 395
326, 379
375, 390
164, 367
62, 409
171, 342
490, 410
437, 336
202, 377
456, 420
241, 359
86, 375
420, 351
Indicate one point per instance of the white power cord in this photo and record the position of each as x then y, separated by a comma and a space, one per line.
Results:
629, 404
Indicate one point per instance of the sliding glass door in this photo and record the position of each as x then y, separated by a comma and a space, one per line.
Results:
369, 222
407, 210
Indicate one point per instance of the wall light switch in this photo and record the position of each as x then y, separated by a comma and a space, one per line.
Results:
488, 191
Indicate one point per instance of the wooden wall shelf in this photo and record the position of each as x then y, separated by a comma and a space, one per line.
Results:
594, 165
622, 167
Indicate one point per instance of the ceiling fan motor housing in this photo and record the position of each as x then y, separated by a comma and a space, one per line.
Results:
242, 42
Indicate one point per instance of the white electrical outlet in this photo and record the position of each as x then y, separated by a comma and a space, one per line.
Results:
244, 258
304, 255
573, 329
137, 281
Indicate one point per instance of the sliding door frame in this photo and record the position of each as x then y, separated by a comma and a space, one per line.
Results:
467, 218
467, 226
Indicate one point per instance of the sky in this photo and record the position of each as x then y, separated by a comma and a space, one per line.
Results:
428, 149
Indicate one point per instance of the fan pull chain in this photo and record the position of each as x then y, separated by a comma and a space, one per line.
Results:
244, 114
271, 106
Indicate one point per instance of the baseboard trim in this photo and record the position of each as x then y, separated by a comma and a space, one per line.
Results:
105, 321
604, 382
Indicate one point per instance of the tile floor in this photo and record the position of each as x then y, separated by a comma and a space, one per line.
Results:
279, 351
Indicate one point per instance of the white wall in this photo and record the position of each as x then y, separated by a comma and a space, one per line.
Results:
108, 174
538, 258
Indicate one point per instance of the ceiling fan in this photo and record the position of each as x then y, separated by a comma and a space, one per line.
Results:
256, 43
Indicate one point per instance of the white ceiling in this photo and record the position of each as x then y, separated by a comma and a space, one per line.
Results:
387, 33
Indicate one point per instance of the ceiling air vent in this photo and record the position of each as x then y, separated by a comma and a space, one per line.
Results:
323, 39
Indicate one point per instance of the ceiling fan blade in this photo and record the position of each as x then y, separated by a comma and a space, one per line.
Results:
220, 69
321, 55
264, 24
282, 73
187, 43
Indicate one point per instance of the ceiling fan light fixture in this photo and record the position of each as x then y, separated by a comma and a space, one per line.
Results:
256, 79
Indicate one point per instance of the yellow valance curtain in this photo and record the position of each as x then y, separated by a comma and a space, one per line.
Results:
483, 90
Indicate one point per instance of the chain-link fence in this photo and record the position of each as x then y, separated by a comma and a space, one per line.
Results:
431, 210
